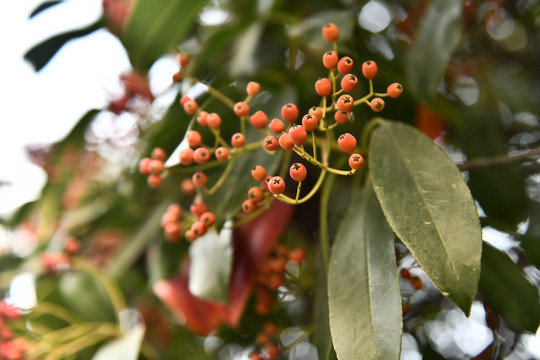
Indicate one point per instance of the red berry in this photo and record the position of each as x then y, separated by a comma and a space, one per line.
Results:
155, 166
345, 103
377, 104
198, 207
309, 122
207, 219
201, 155
175, 209
316, 111
159, 154
186, 156
201, 118
347, 142
154, 181
259, 119
238, 140
241, 109
198, 229
330, 59
199, 179
193, 138
285, 141
323, 87
256, 194
298, 172
276, 126
356, 161
271, 143
183, 59
341, 117
369, 69
248, 206
253, 88
189, 235
222, 153
168, 217
330, 32
177, 77
173, 231
298, 134
187, 187
394, 90
289, 112
349, 82
276, 185
213, 120
416, 282
144, 166
345, 65
184, 99
297, 255
258, 173
190, 107
405, 273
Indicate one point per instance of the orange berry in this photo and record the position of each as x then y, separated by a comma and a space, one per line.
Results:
349, 82
405, 273
213, 120
258, 173
198, 228
154, 181
155, 166
241, 109
248, 206
330, 59
356, 161
186, 156
309, 122
276, 126
276, 185
172, 231
193, 138
201, 155
347, 142
394, 90
256, 194
341, 117
285, 141
298, 134
177, 77
253, 88
316, 111
144, 166
198, 207
238, 140
377, 104
207, 219
369, 69
345, 103
183, 59
298, 172
222, 153
416, 282
187, 187
330, 32
289, 112
259, 119
159, 154
190, 107
323, 87
199, 179
201, 118
271, 143
345, 65
297, 255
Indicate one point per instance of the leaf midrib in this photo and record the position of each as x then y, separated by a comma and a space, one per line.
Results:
426, 205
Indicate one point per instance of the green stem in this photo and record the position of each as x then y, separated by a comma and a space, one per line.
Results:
222, 178
316, 187
366, 132
309, 158
52, 309
215, 93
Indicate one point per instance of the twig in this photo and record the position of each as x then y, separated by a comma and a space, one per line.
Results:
496, 160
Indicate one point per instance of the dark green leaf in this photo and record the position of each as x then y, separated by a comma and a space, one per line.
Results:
44, 6
438, 34
86, 297
156, 25
211, 263
508, 291
321, 326
429, 207
363, 286
43, 52
500, 190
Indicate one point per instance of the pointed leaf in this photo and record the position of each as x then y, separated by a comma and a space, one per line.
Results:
507, 289
44, 6
156, 25
363, 286
429, 207
43, 52
438, 34
211, 262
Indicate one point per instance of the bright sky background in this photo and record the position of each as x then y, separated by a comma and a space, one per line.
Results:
40, 108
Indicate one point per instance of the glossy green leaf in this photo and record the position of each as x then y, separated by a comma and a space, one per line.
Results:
155, 26
500, 190
211, 264
508, 291
363, 286
429, 207
438, 34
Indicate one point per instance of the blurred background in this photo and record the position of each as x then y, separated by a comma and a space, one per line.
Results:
88, 91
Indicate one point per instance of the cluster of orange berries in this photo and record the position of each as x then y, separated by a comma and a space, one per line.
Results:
153, 167
267, 340
173, 224
11, 347
271, 274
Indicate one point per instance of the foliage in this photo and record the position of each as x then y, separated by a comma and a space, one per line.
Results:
317, 269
